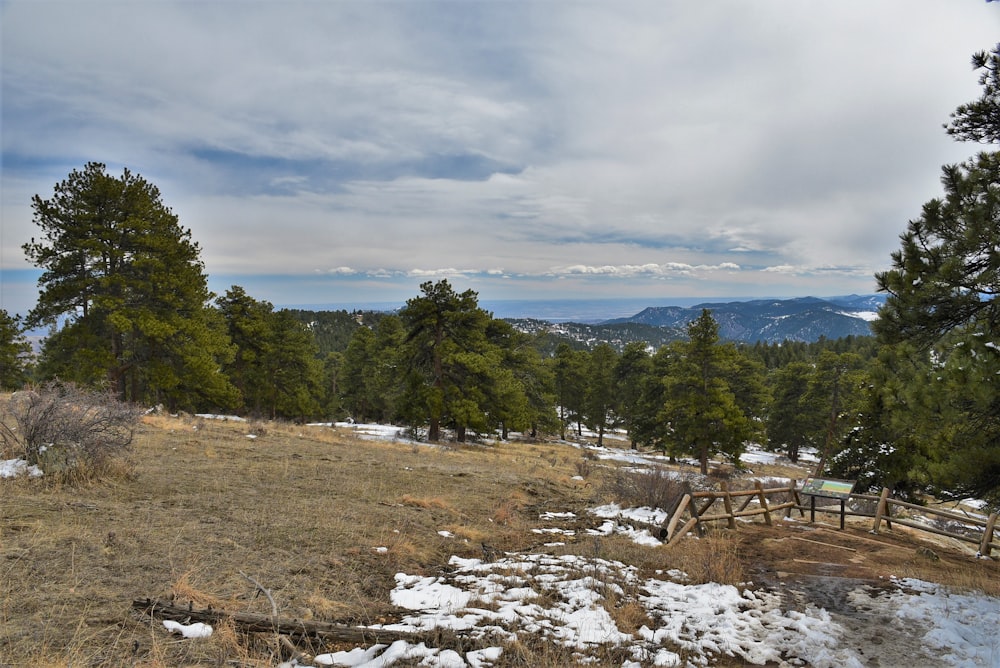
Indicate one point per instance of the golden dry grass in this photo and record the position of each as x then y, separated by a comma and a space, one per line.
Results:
303, 511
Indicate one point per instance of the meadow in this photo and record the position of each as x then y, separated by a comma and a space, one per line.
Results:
212, 513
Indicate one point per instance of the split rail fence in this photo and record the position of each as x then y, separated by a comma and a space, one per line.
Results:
698, 508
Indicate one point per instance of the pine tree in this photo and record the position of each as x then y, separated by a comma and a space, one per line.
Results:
599, 395
885, 448
791, 422
570, 378
445, 342
701, 414
14, 349
250, 332
833, 399
357, 375
522, 398
944, 300
276, 367
979, 120
633, 367
129, 279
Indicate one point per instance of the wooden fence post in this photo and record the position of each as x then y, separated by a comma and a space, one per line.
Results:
881, 509
690, 524
984, 548
727, 500
675, 518
794, 493
763, 502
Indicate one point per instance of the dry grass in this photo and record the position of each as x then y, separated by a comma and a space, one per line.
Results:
715, 557
302, 511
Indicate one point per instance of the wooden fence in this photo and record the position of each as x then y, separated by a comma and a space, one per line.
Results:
703, 506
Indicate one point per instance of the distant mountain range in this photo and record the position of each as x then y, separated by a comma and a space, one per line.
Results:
770, 320
775, 320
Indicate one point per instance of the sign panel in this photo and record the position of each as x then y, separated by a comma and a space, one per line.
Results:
836, 489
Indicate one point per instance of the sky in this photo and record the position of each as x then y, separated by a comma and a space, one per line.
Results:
338, 153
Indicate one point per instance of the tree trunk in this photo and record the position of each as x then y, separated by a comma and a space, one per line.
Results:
117, 372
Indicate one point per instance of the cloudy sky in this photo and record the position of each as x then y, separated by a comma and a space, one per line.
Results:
329, 152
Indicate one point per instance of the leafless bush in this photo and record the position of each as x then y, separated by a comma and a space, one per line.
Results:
656, 488
65, 428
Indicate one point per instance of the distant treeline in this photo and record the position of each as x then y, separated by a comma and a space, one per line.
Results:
915, 409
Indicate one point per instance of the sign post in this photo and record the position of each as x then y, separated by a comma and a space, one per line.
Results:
829, 488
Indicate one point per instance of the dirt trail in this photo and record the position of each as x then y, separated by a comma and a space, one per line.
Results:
822, 567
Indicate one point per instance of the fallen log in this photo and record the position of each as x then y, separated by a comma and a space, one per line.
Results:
256, 623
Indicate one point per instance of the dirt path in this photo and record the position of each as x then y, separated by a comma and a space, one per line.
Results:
843, 571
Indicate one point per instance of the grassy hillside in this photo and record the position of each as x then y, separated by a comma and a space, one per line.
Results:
306, 512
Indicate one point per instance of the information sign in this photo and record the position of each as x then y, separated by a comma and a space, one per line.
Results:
836, 489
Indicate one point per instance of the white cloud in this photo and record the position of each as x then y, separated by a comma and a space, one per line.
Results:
649, 270
725, 145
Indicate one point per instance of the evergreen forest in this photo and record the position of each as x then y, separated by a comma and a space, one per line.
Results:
915, 408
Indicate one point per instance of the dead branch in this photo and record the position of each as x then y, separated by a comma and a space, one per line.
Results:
266, 592
256, 623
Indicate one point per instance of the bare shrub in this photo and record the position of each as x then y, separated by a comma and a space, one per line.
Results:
655, 488
70, 430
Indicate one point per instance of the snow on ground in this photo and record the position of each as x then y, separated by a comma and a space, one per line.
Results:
224, 418
369, 430
566, 600
13, 468
196, 630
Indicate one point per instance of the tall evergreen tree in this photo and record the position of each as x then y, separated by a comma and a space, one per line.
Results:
522, 398
943, 299
570, 378
833, 397
129, 278
358, 374
14, 349
631, 371
445, 340
701, 415
599, 396
979, 120
249, 329
791, 422
885, 448
276, 366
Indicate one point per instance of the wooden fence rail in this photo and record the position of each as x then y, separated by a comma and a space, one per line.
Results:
735, 504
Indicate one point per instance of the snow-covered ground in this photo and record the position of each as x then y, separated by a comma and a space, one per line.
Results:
566, 600
13, 468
